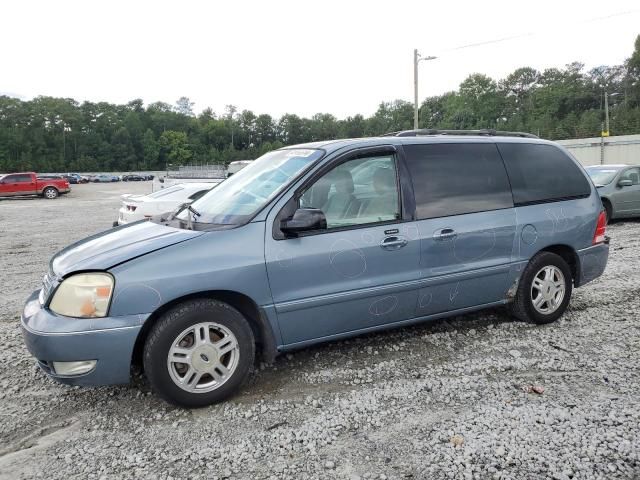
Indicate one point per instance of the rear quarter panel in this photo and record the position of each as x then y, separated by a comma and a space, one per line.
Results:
571, 223
59, 185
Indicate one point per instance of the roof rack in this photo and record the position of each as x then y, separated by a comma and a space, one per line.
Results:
484, 132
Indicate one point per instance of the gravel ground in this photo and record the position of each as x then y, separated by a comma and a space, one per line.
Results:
449, 399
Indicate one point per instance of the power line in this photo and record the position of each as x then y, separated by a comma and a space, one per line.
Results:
530, 34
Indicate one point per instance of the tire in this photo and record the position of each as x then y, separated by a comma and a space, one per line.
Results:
175, 331
608, 210
50, 193
527, 294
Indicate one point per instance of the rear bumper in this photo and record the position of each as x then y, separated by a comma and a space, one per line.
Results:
126, 216
592, 262
54, 338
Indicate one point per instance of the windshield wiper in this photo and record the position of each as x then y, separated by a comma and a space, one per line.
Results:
184, 206
193, 210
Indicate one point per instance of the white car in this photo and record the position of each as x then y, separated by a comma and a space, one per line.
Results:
141, 207
235, 167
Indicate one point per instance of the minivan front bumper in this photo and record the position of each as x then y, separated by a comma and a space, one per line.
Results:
107, 341
592, 262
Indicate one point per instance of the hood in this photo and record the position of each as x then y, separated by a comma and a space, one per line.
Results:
113, 247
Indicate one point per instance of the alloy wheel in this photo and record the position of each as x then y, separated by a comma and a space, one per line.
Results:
203, 357
548, 289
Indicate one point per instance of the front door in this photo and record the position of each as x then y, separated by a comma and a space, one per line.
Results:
357, 274
17, 184
628, 198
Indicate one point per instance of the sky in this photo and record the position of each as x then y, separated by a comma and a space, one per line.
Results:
340, 57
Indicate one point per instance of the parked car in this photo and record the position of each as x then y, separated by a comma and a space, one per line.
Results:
236, 166
141, 207
161, 183
105, 178
76, 178
619, 189
28, 183
133, 178
319, 242
73, 178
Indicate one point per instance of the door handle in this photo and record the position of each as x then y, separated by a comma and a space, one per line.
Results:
445, 234
393, 243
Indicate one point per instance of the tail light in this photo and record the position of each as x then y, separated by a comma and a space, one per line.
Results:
601, 229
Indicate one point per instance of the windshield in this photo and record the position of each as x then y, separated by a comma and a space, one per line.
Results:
602, 175
241, 196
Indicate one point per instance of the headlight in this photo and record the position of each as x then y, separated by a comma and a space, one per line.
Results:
85, 295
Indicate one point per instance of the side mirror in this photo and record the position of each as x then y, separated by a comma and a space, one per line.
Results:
304, 220
625, 183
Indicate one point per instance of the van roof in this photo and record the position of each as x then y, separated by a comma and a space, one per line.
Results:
333, 145
607, 165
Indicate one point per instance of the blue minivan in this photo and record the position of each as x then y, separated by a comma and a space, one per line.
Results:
317, 242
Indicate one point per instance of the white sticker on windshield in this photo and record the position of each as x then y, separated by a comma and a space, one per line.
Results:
300, 152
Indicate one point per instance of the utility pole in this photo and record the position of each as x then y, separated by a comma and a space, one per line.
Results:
415, 88
606, 114
602, 145
605, 125
416, 60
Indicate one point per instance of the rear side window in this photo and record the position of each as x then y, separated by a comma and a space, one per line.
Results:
454, 179
542, 173
197, 195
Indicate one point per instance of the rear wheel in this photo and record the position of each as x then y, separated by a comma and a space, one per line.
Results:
544, 290
199, 353
608, 210
50, 193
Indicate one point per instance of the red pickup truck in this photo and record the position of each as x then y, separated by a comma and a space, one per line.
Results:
18, 184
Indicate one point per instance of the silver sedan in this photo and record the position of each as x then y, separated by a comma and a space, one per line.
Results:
619, 188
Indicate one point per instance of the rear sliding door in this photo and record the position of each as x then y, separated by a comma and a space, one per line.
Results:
466, 224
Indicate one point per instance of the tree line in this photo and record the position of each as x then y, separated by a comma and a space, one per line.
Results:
49, 134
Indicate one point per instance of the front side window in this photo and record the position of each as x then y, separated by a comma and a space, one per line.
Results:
455, 179
237, 199
17, 179
356, 192
632, 174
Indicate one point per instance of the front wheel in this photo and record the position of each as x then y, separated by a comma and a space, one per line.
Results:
50, 193
544, 290
199, 353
